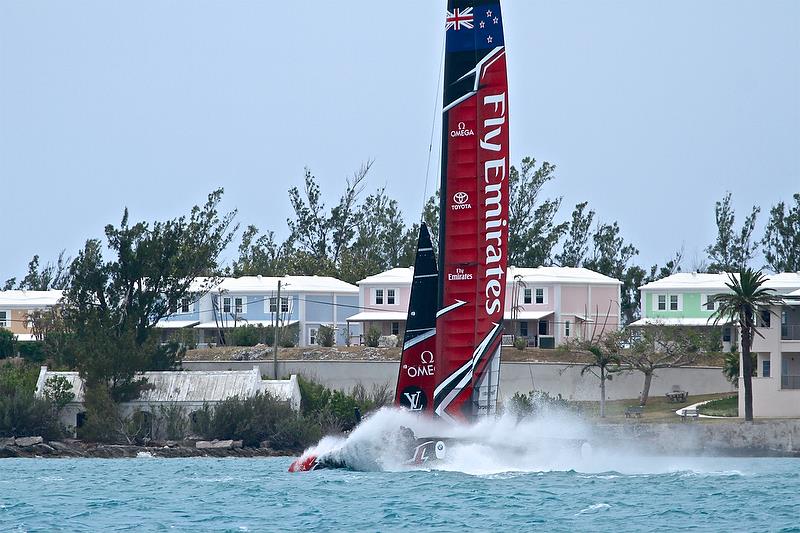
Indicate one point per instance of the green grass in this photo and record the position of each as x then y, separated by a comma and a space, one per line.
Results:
658, 409
722, 407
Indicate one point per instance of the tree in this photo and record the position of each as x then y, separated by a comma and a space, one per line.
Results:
731, 251
782, 237
747, 298
657, 346
576, 246
430, 216
50, 276
610, 257
603, 358
259, 255
319, 235
532, 233
111, 307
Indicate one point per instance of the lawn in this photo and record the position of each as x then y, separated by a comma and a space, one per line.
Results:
658, 409
722, 407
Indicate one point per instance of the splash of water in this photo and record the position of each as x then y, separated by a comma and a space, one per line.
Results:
554, 440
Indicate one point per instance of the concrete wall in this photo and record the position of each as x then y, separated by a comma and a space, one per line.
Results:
553, 378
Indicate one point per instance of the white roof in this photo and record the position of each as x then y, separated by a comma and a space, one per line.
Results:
690, 281
193, 386
676, 322
169, 324
392, 276
371, 316
560, 275
289, 284
697, 281
528, 315
528, 275
32, 299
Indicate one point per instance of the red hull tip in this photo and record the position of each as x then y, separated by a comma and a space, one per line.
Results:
303, 464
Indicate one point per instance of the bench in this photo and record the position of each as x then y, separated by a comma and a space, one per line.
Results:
677, 396
689, 413
634, 411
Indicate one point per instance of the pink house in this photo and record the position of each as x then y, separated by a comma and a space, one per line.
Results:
546, 305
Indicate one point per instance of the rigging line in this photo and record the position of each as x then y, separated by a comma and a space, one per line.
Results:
433, 130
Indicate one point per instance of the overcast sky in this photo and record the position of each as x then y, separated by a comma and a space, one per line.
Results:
650, 110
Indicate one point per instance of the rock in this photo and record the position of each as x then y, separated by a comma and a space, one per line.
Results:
8, 452
214, 444
237, 444
387, 341
43, 449
7, 442
170, 444
24, 442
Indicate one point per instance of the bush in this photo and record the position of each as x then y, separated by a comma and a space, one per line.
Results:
290, 336
534, 402
171, 422
372, 337
7, 344
248, 335
520, 343
253, 420
21, 413
32, 351
326, 336
335, 410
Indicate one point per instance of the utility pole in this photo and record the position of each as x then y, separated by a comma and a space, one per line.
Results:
276, 333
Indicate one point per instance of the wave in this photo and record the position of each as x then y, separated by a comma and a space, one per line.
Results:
553, 441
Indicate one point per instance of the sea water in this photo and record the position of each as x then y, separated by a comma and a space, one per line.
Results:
205, 494
547, 473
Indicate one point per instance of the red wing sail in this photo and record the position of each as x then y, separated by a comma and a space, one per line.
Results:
415, 382
473, 231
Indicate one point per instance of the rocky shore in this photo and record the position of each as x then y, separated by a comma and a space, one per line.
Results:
36, 447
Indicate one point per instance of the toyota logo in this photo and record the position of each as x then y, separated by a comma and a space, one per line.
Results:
460, 197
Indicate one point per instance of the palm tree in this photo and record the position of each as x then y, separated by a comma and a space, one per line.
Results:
748, 296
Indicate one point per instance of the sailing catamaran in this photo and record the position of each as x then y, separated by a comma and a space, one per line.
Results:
450, 365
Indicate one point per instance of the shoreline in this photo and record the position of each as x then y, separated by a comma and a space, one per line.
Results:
84, 450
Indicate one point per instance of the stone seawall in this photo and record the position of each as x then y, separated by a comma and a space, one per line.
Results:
554, 378
762, 438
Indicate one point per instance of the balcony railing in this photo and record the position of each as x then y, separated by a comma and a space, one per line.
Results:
790, 332
790, 382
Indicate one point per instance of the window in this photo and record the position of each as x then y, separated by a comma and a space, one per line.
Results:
566, 329
4, 319
539, 296
226, 305
379, 296
708, 303
765, 319
765, 368
390, 297
312, 336
185, 304
662, 302
395, 328
273, 305
726, 334
528, 296
523, 328
238, 305
543, 327
673, 302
